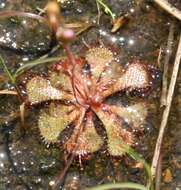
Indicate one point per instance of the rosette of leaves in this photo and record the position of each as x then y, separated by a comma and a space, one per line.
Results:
78, 93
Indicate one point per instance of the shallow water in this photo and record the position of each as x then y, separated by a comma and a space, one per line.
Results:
25, 162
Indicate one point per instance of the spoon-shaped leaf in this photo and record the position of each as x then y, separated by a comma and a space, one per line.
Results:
53, 120
88, 142
99, 58
40, 89
116, 134
135, 77
134, 114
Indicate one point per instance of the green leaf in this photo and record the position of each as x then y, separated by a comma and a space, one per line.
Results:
40, 89
99, 59
6, 70
132, 153
34, 63
107, 10
116, 134
61, 81
133, 114
135, 77
54, 119
110, 186
88, 141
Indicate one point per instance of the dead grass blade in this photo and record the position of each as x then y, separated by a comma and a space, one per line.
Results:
166, 65
8, 92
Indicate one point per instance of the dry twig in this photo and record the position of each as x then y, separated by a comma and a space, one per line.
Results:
159, 57
22, 113
158, 174
8, 92
165, 67
169, 8
166, 110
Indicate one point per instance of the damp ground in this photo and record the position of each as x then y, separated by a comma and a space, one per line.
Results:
25, 161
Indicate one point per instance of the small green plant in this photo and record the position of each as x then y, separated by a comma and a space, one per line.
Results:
106, 9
